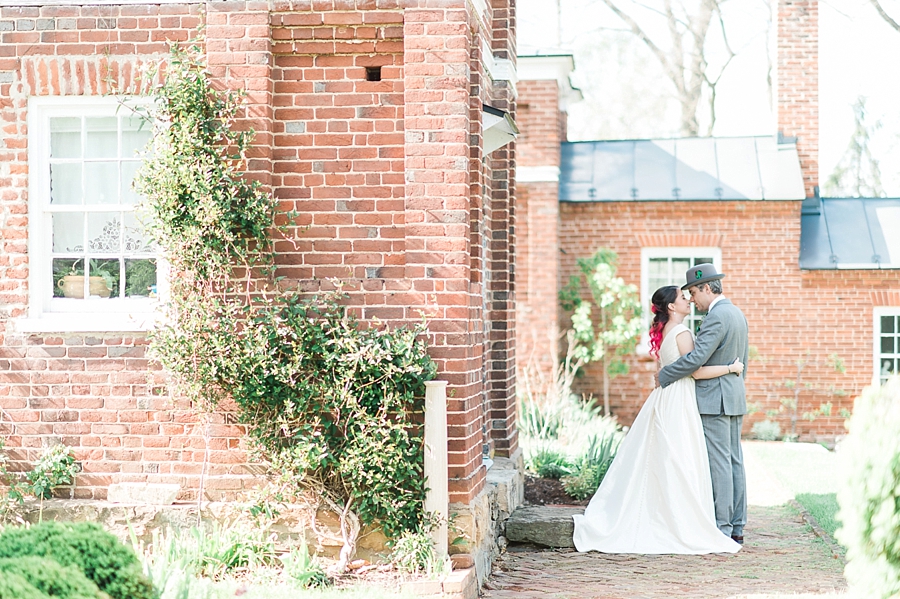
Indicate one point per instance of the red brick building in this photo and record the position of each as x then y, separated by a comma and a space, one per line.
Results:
815, 277
371, 118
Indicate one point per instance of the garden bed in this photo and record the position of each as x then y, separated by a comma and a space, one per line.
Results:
548, 491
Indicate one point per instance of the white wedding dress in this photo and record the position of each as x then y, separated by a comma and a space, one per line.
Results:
657, 495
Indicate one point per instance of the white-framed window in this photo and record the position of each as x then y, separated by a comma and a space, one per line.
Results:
92, 267
887, 343
661, 266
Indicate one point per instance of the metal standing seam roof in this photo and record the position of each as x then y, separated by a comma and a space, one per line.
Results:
850, 233
710, 168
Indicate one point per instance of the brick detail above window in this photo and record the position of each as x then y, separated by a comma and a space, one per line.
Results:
885, 298
679, 240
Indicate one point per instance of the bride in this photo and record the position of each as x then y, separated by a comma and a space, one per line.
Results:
657, 495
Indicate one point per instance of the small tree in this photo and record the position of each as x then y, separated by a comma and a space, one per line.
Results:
608, 325
794, 404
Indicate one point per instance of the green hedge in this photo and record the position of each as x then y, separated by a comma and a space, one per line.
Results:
50, 578
112, 566
13, 586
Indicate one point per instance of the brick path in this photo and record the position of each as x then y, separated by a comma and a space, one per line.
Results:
781, 557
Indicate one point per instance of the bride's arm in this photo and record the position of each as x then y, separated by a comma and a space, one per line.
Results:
685, 343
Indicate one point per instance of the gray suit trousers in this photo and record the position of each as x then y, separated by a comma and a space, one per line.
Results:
726, 465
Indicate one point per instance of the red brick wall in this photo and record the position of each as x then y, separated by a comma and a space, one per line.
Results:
791, 312
499, 238
538, 277
393, 194
797, 103
542, 129
97, 393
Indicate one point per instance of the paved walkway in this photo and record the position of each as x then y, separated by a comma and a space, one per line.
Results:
782, 558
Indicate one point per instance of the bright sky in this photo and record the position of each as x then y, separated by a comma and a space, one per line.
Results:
858, 57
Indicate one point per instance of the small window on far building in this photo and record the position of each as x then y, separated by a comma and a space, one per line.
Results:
887, 343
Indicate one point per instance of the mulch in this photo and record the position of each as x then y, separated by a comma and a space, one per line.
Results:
547, 491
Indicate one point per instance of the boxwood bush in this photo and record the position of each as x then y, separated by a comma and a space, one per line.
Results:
103, 559
870, 497
13, 586
50, 578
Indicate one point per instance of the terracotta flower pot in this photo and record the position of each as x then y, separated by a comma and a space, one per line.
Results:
73, 286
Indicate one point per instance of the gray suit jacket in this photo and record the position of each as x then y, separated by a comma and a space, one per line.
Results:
723, 336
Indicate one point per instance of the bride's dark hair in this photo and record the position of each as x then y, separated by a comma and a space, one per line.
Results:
659, 305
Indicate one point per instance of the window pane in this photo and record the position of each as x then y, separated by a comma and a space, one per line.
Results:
887, 324
65, 183
679, 267
66, 267
108, 272
887, 345
101, 182
104, 232
140, 278
888, 367
135, 135
658, 268
101, 139
702, 261
136, 239
65, 137
68, 232
127, 193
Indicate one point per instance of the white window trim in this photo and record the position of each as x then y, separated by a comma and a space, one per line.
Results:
124, 316
643, 348
877, 313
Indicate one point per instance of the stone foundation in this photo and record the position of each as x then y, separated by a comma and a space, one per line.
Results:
483, 522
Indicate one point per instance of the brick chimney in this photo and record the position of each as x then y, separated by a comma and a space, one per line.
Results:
797, 83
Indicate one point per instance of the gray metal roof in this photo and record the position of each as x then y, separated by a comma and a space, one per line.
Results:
857, 233
709, 168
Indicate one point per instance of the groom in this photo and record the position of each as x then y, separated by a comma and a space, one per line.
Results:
722, 401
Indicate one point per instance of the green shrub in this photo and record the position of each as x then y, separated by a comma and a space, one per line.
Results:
55, 468
870, 497
538, 421
48, 576
766, 430
550, 463
593, 466
302, 569
563, 425
111, 565
13, 586
414, 552
216, 551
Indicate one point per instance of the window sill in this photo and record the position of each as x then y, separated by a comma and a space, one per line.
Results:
86, 323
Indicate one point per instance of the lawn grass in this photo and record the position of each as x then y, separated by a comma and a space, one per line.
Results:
823, 507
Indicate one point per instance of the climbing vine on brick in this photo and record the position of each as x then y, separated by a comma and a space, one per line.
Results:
330, 404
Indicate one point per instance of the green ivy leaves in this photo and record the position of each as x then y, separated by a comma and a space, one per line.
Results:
334, 406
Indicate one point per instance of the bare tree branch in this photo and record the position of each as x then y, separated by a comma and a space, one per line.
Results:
887, 18
684, 61
639, 32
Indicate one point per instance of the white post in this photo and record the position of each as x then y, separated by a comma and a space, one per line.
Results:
437, 500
